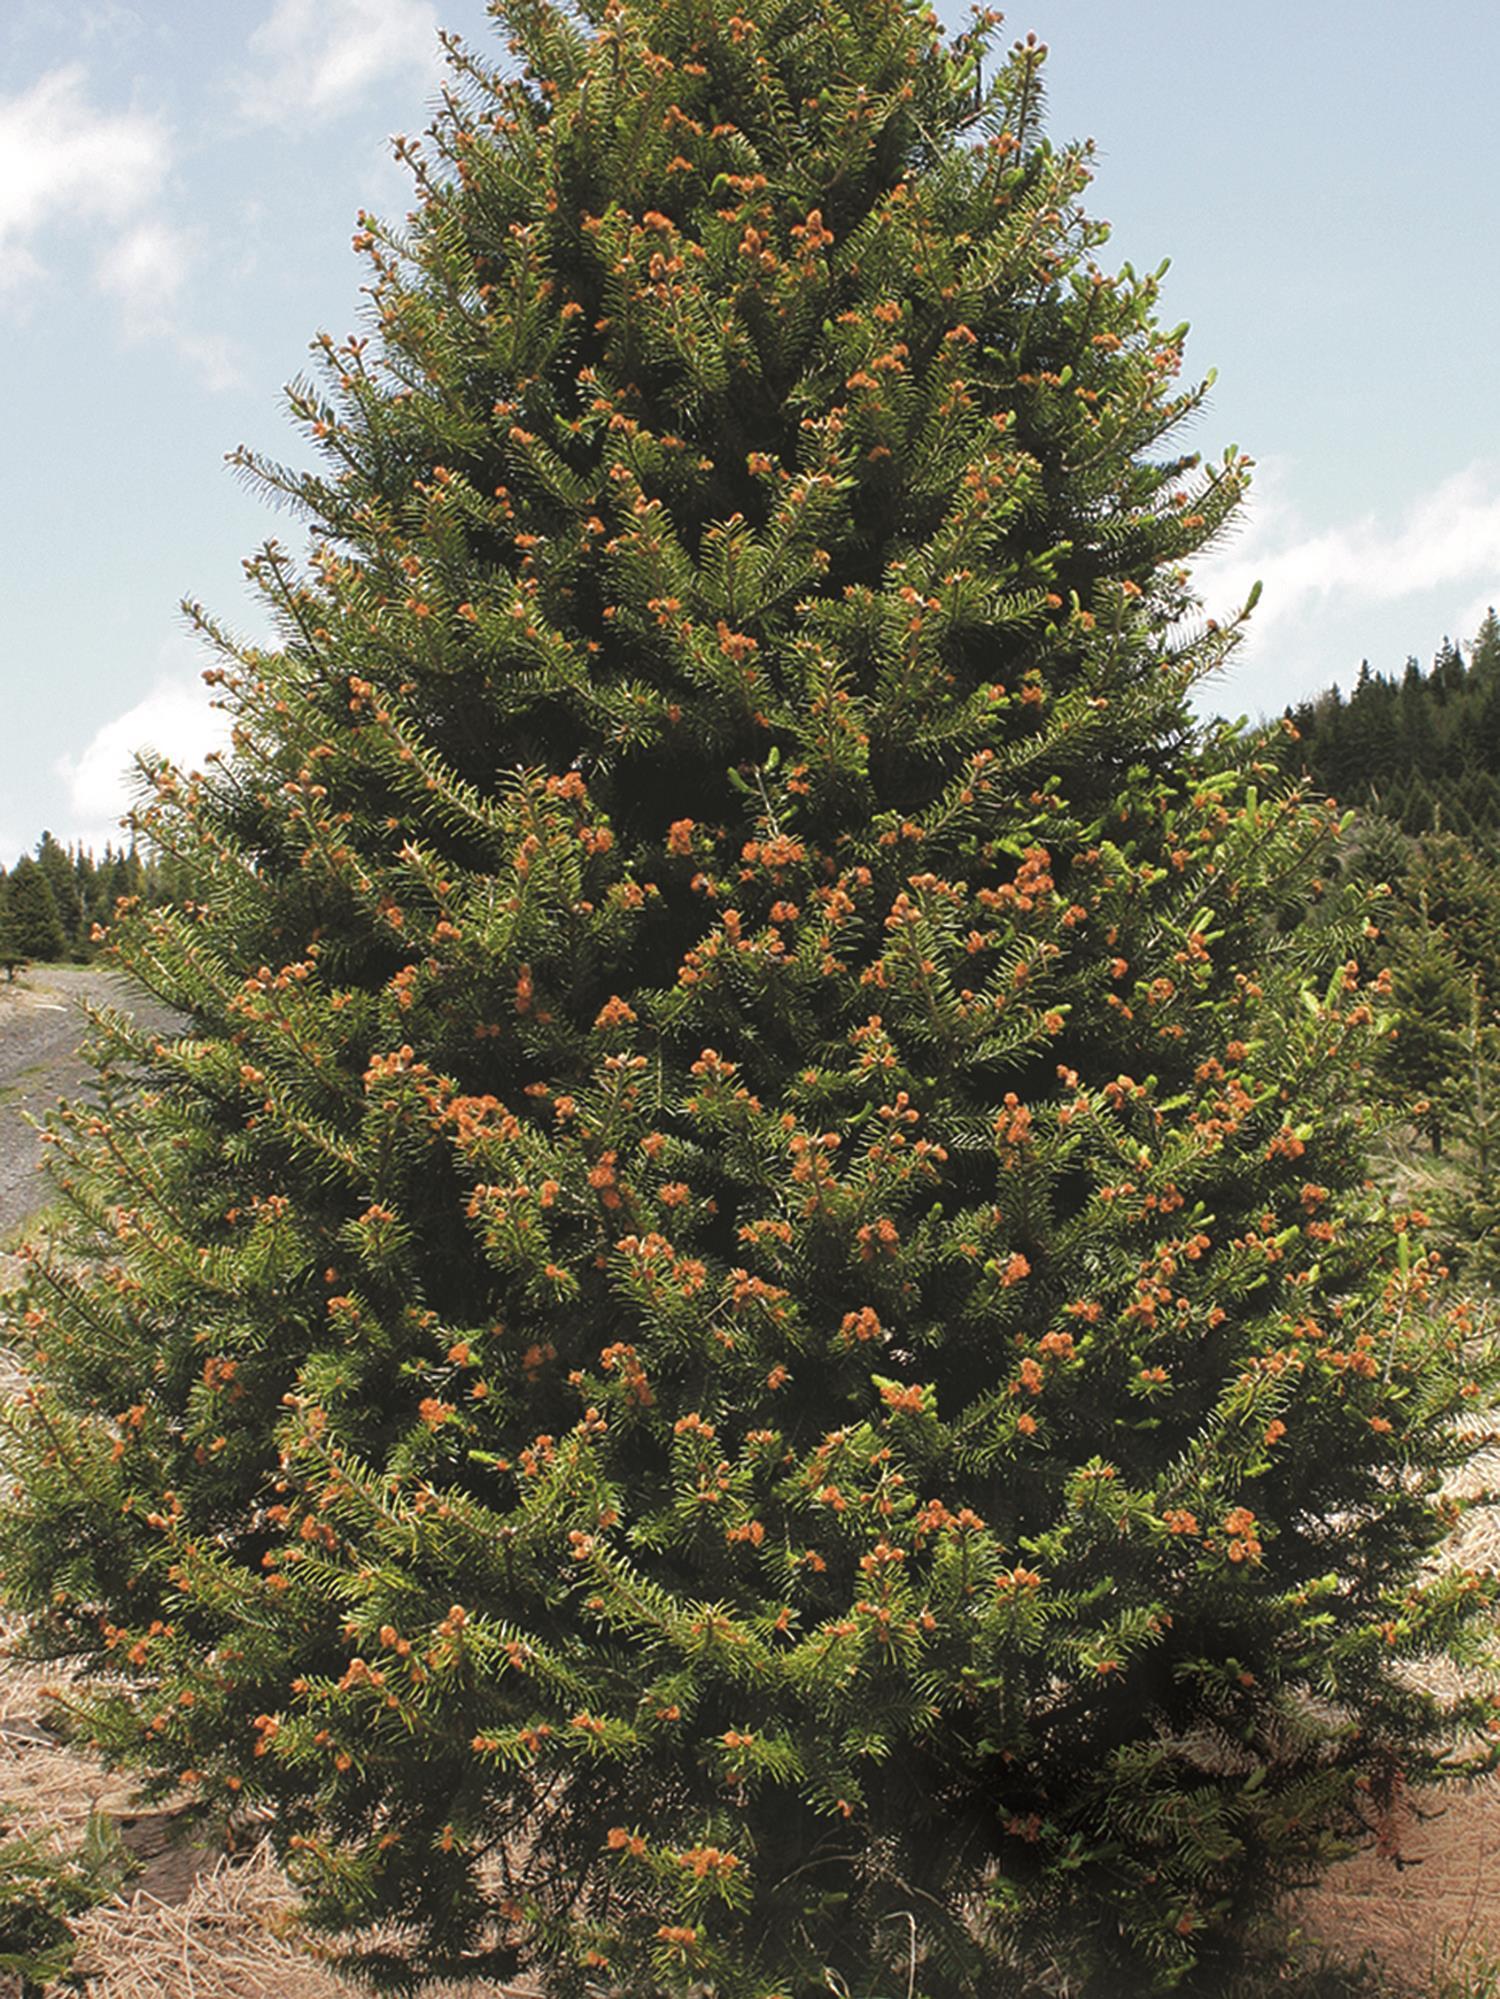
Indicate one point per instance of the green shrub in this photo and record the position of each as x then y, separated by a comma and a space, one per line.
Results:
746, 1326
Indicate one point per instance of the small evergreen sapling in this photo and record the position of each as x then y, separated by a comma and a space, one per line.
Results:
44, 1888
746, 1316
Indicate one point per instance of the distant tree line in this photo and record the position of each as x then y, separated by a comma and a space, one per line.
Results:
55, 899
1420, 749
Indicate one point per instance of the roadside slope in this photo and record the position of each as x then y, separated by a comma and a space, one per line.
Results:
41, 1025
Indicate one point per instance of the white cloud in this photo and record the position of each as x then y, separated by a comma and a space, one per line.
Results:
111, 21
1473, 614
62, 158
1380, 586
145, 269
175, 719
1450, 535
215, 356
68, 20
66, 164
317, 57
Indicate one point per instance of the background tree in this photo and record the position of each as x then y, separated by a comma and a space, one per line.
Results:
61, 871
1484, 651
745, 1335
1465, 1198
1432, 999
36, 930
12, 957
1443, 924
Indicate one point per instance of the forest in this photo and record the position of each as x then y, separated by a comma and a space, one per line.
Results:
57, 900
1420, 751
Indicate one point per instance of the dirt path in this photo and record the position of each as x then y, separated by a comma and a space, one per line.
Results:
41, 1024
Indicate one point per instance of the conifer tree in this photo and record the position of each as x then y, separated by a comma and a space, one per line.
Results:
36, 929
741, 1351
1465, 1198
12, 957
1431, 997
1484, 651
60, 868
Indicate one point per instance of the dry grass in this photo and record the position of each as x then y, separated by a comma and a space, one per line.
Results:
197, 1924
235, 1936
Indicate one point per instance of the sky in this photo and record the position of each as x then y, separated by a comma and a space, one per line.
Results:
179, 181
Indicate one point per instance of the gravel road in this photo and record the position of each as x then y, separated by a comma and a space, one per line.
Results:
41, 1025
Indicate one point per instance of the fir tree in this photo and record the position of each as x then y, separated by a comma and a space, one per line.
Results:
86, 888
12, 957
58, 865
1484, 652
744, 1337
1449, 674
1375, 852
42, 1892
1467, 1198
1419, 812
36, 929
1432, 1007
1448, 885
1419, 738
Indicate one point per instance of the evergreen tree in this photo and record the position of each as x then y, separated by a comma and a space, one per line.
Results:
1484, 652
1375, 852
1419, 812
740, 1349
127, 879
42, 1893
1375, 730
12, 957
1486, 737
1484, 807
57, 864
1419, 740
36, 930
1468, 1201
1450, 887
84, 895
1449, 674
1423, 1059
86, 891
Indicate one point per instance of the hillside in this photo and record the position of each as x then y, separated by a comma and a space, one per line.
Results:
1421, 749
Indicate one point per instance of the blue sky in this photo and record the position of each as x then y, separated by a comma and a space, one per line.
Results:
179, 179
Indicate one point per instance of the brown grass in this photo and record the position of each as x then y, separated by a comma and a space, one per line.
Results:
195, 1924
